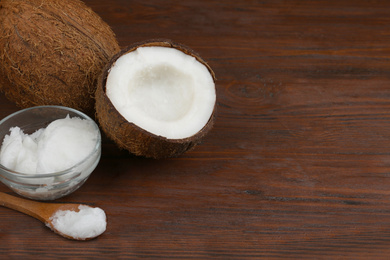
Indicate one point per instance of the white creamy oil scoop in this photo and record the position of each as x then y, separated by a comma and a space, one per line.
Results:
70, 220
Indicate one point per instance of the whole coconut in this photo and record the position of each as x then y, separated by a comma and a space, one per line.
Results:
52, 52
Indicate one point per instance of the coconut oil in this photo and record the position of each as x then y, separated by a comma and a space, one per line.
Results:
88, 222
61, 145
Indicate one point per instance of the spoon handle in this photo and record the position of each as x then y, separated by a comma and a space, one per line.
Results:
29, 207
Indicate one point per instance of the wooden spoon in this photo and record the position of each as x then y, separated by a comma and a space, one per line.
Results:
39, 210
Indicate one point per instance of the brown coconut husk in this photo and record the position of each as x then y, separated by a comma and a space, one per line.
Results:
52, 52
133, 138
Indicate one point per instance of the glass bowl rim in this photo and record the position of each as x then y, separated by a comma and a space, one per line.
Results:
14, 174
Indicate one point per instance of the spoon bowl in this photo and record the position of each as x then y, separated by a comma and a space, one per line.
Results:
46, 212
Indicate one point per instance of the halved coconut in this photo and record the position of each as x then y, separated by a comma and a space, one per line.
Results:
156, 99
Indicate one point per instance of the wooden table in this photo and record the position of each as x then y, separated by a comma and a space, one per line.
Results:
297, 165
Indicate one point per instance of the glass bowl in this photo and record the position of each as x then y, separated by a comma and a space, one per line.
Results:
47, 186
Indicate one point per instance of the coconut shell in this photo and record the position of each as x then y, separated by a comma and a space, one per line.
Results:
128, 135
52, 52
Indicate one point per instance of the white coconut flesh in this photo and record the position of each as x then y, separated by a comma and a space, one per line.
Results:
162, 90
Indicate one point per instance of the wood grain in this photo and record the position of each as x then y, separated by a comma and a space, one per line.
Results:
298, 162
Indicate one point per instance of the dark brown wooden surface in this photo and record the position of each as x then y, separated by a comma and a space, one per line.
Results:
298, 163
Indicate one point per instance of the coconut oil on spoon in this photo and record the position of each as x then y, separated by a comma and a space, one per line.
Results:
70, 220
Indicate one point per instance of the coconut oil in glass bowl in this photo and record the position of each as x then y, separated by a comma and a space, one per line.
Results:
60, 149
